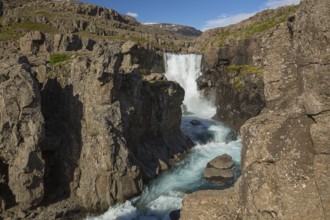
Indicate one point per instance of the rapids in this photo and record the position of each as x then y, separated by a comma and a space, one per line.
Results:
165, 193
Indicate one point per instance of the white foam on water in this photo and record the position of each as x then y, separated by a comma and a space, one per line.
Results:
185, 69
165, 193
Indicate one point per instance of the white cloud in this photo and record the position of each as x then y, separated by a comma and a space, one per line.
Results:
278, 3
225, 20
133, 14
150, 23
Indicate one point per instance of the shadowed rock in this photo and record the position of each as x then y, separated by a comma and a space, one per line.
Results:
218, 175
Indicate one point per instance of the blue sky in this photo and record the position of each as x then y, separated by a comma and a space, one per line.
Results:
201, 14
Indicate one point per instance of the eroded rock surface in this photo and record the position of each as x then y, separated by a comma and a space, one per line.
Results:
89, 127
223, 162
279, 142
210, 205
21, 131
285, 164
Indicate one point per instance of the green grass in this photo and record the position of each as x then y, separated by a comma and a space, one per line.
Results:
58, 58
15, 31
32, 26
238, 85
116, 38
245, 69
240, 71
254, 29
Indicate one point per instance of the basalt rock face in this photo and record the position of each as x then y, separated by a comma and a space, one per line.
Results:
285, 155
21, 131
233, 79
92, 127
233, 65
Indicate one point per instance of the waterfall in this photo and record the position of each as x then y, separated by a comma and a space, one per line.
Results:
166, 192
185, 69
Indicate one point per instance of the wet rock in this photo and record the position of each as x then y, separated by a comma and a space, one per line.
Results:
221, 162
232, 136
218, 175
195, 122
175, 215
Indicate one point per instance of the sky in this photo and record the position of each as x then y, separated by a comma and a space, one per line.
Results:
201, 14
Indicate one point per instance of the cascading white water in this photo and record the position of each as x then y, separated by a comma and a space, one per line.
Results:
166, 192
185, 69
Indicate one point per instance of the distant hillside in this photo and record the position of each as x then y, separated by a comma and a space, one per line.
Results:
179, 29
94, 22
257, 24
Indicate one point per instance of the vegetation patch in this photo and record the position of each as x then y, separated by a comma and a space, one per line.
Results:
241, 71
245, 69
238, 84
58, 58
253, 29
32, 26
15, 31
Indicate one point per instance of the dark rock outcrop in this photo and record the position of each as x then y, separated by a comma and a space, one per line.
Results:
175, 215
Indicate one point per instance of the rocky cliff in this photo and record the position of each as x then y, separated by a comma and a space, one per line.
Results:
86, 118
86, 124
233, 65
94, 22
285, 155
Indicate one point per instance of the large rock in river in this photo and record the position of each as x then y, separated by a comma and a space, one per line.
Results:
223, 161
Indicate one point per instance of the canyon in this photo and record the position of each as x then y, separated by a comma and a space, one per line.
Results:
88, 117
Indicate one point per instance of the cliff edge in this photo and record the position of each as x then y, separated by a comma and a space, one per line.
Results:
285, 155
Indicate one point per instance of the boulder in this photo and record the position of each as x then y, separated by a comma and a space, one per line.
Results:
221, 162
218, 175
195, 122
175, 215
232, 136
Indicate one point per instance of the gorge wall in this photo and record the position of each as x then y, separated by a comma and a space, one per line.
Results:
82, 121
233, 65
285, 155
86, 118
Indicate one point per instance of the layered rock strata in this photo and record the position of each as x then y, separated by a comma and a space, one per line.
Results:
218, 169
